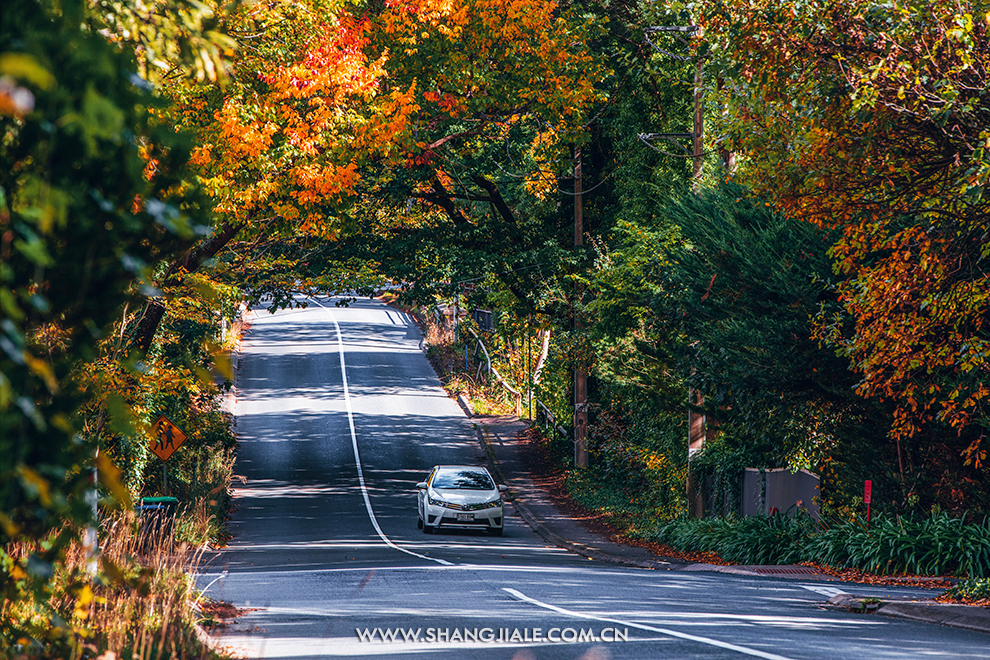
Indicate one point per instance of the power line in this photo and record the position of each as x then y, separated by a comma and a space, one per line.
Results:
514, 270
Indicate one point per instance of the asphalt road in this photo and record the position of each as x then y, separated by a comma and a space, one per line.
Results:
339, 415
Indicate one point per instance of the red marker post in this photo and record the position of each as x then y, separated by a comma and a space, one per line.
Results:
867, 496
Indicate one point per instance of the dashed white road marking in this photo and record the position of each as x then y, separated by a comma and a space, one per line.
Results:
825, 591
663, 631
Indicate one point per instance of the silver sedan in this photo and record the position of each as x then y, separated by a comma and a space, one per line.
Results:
460, 496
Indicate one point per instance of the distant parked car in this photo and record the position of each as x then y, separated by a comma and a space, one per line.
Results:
460, 496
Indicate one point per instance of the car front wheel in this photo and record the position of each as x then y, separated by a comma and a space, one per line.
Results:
419, 523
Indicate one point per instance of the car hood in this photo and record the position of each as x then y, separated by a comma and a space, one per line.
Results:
465, 496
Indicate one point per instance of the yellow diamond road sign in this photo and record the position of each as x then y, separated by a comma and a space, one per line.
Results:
168, 438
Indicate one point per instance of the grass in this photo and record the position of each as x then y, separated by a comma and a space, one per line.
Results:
446, 354
931, 546
204, 518
137, 606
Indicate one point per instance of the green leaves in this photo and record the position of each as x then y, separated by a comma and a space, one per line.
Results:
936, 545
74, 237
174, 36
972, 589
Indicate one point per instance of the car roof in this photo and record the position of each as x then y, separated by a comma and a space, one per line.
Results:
476, 468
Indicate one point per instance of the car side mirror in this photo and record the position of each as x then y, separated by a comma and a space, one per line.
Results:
502, 488
421, 485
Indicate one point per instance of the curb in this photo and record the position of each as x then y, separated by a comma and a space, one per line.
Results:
956, 616
715, 568
205, 638
545, 532
230, 398
465, 405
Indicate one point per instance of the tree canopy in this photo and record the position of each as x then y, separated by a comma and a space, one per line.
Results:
871, 118
823, 286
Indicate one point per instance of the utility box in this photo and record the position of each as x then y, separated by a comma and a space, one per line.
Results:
483, 317
765, 492
157, 517
752, 499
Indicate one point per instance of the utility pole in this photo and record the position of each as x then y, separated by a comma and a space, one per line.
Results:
697, 134
699, 123
580, 368
91, 539
728, 157
697, 422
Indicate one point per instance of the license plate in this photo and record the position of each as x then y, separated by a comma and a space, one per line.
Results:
465, 516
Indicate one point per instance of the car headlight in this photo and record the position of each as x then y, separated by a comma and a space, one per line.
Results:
436, 502
494, 505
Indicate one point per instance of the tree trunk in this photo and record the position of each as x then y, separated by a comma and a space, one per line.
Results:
195, 257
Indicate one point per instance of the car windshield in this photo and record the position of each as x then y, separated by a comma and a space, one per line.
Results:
463, 480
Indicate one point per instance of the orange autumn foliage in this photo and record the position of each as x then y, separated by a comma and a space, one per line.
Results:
872, 119
289, 140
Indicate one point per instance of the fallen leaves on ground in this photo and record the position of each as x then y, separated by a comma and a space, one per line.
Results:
863, 577
218, 613
979, 602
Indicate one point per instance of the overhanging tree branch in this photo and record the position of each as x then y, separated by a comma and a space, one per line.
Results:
195, 257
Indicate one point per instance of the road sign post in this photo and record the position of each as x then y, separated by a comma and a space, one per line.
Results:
867, 498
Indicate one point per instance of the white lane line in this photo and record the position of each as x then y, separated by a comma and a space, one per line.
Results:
495, 568
825, 591
357, 455
202, 592
663, 631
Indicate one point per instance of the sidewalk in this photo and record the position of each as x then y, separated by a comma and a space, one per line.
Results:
531, 503
530, 500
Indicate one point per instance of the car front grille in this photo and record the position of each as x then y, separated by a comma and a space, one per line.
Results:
480, 506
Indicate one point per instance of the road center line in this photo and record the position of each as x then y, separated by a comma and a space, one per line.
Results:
662, 631
357, 455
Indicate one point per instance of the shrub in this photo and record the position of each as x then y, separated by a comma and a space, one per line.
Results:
972, 589
777, 539
936, 545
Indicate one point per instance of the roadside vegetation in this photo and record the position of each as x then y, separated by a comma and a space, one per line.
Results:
453, 352
932, 546
890, 545
975, 591
141, 606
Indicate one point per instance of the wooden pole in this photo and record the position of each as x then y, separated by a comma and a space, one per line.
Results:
696, 423
580, 369
699, 123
